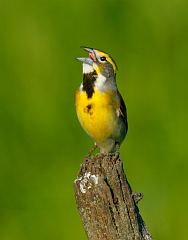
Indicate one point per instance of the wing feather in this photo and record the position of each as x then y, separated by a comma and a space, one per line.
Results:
123, 110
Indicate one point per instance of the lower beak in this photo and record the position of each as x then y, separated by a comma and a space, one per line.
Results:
88, 61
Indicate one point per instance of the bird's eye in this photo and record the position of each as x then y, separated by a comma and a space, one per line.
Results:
103, 59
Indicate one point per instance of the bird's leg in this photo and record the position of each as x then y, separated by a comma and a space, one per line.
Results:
92, 149
117, 148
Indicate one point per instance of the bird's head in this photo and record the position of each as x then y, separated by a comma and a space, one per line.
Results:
100, 62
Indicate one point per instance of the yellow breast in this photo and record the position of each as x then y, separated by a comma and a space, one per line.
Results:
97, 114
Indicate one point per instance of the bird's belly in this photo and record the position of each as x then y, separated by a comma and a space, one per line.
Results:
97, 115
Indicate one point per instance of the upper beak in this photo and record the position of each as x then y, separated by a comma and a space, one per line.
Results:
91, 52
87, 49
88, 61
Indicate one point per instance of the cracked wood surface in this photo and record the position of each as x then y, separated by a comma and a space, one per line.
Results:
106, 203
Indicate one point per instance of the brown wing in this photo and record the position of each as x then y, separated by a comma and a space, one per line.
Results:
123, 110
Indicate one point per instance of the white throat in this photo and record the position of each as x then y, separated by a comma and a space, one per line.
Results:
87, 68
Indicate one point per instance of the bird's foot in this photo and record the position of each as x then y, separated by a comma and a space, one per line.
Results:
90, 153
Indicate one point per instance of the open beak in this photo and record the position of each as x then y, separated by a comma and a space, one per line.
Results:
92, 57
91, 52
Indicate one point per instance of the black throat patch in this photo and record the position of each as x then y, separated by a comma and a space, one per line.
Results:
88, 83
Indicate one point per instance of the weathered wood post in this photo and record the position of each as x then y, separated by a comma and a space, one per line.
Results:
106, 203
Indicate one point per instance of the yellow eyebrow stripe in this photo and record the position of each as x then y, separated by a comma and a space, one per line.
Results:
112, 62
102, 53
109, 59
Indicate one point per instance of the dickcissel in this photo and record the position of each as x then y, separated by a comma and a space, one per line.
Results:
99, 105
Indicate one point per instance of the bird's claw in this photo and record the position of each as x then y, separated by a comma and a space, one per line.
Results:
92, 150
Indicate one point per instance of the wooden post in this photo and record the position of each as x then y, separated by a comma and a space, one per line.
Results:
106, 203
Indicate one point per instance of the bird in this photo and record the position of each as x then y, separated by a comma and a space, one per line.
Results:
100, 107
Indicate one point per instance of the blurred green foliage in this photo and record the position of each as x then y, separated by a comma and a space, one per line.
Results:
41, 142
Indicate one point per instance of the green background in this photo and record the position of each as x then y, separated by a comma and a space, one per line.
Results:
41, 142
